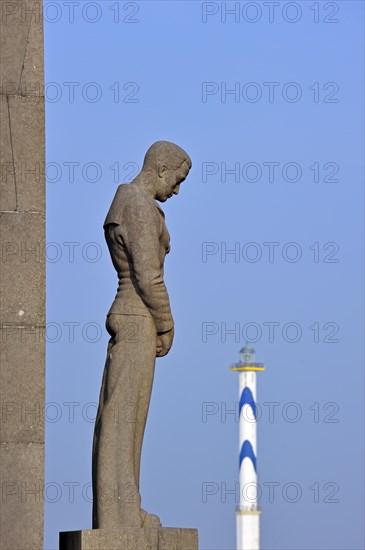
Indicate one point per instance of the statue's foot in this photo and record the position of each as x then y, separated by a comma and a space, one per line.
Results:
150, 520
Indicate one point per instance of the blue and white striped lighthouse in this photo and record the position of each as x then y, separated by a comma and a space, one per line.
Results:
248, 513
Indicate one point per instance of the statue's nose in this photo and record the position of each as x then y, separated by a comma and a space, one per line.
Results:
176, 190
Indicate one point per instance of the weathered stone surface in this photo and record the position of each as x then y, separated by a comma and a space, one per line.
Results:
27, 153
32, 77
22, 272
23, 269
7, 178
21, 375
130, 539
21, 54
21, 513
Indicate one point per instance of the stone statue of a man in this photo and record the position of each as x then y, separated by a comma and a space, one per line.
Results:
141, 328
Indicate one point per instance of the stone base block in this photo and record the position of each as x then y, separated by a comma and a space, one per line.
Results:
130, 539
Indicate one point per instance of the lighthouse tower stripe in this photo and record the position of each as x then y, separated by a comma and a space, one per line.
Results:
247, 451
247, 399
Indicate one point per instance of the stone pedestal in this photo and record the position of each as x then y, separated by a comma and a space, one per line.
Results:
130, 539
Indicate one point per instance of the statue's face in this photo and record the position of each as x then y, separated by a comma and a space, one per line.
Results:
169, 181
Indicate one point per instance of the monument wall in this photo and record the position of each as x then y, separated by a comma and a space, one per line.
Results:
22, 274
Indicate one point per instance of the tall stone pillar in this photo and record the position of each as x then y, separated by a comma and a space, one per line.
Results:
22, 274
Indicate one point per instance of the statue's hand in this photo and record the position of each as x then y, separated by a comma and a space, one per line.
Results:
164, 342
158, 346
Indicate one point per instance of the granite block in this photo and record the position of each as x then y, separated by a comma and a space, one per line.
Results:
21, 515
130, 539
22, 269
22, 381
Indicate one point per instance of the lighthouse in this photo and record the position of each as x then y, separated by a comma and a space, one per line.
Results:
248, 513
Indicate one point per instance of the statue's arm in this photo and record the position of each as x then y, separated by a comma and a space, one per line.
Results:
141, 236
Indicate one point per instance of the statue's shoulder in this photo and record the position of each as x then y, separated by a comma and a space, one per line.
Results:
127, 199
115, 210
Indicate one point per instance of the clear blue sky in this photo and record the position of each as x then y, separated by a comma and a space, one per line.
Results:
293, 131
